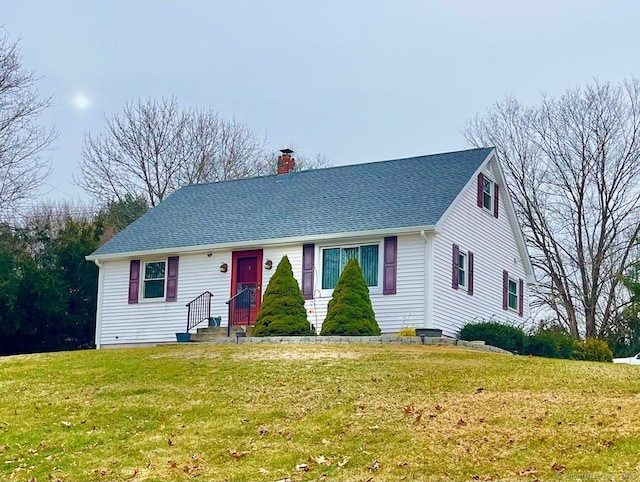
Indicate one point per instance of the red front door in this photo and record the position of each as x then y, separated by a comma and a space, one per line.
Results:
246, 274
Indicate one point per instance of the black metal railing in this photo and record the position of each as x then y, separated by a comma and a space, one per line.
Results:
240, 309
199, 310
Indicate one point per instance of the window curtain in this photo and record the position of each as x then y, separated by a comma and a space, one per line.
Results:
369, 264
331, 268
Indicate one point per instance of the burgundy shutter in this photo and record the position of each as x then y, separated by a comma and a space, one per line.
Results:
134, 281
480, 189
470, 268
308, 251
390, 265
505, 290
496, 195
521, 297
455, 264
172, 278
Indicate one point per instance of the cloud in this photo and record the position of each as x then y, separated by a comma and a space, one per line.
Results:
81, 101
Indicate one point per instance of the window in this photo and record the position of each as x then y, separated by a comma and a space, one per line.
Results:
335, 259
487, 194
462, 269
513, 294
154, 278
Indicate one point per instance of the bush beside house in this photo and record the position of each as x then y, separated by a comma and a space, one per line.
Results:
350, 312
547, 343
282, 312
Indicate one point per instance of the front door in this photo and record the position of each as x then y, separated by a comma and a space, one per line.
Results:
246, 275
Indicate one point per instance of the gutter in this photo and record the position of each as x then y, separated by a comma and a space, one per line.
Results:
204, 248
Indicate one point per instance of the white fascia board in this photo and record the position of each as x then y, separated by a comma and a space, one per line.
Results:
203, 248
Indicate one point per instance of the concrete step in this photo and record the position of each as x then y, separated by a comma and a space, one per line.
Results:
208, 334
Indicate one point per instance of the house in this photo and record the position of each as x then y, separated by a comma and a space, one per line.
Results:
436, 237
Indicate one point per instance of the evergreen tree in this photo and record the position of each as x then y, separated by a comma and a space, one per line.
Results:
350, 312
282, 312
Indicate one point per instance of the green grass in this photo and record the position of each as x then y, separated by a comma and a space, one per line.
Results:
349, 412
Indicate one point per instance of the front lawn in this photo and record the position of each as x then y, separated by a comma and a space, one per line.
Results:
315, 412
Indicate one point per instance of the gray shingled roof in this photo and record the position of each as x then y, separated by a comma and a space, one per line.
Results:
362, 197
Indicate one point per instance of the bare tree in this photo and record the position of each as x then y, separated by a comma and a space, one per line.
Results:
22, 139
573, 166
155, 147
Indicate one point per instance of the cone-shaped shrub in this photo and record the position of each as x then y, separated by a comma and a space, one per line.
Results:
282, 312
350, 312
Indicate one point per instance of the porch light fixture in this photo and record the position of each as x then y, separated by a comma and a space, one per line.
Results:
268, 264
224, 267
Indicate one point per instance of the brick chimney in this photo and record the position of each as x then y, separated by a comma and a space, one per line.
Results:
286, 163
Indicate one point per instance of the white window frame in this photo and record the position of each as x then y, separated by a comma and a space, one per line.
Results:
143, 264
464, 285
491, 193
326, 293
517, 294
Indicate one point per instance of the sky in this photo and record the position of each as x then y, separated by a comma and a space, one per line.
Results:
355, 80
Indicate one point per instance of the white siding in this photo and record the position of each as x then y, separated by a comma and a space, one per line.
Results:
493, 243
158, 321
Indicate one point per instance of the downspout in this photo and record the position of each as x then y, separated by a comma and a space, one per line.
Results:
428, 279
99, 303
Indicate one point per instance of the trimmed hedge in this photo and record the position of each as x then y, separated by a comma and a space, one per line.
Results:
282, 312
495, 334
350, 312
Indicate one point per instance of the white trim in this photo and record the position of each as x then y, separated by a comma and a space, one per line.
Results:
260, 243
429, 239
516, 281
491, 208
465, 285
157, 299
99, 304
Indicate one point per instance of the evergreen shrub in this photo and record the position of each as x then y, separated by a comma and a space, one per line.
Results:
282, 312
495, 334
350, 312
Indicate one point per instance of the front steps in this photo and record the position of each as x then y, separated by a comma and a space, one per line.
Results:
213, 334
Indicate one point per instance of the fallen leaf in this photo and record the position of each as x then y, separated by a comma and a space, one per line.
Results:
325, 441
461, 423
343, 463
529, 471
67, 424
438, 407
480, 390
172, 464
237, 455
375, 465
263, 471
558, 468
408, 410
606, 443
321, 460
374, 427
170, 442
303, 467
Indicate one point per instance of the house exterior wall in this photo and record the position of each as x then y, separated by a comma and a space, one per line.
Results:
158, 321
493, 244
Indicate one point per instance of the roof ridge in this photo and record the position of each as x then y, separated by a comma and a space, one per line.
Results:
342, 166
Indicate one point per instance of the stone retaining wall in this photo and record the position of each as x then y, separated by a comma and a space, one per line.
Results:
373, 340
